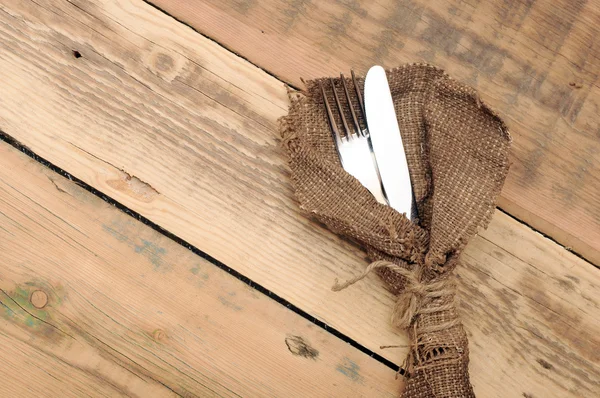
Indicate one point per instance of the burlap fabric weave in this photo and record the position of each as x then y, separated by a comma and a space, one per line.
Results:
457, 151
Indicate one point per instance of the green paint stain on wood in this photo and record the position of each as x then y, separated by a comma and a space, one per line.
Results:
115, 233
350, 369
17, 307
229, 304
5, 311
152, 251
21, 303
128, 232
197, 271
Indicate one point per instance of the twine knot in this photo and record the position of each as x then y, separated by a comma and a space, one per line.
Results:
416, 298
409, 300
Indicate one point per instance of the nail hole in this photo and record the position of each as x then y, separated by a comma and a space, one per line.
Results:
76, 54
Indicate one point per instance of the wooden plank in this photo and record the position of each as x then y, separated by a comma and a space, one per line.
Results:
529, 306
193, 147
94, 303
535, 61
126, 311
243, 212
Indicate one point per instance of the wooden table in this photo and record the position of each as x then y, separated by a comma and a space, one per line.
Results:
150, 241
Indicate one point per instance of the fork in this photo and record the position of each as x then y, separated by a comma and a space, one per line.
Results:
354, 147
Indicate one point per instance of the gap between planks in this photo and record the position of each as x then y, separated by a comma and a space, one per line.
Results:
93, 303
535, 63
289, 84
43, 129
181, 242
295, 88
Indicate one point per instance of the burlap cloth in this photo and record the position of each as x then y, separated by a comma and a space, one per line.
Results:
457, 151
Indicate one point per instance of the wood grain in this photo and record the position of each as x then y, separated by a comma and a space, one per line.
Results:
211, 173
197, 152
529, 306
535, 61
94, 303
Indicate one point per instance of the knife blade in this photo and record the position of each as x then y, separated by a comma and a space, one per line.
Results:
387, 141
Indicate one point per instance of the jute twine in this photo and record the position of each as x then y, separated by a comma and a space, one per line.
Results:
415, 299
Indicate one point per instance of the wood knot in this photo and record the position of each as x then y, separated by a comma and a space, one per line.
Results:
576, 85
163, 62
298, 346
159, 335
39, 299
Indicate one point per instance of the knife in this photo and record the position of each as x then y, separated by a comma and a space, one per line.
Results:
387, 141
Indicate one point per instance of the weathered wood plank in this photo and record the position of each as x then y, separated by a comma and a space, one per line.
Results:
536, 61
215, 177
196, 151
94, 303
529, 306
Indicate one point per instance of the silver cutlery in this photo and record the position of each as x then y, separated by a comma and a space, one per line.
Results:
353, 143
387, 141
375, 155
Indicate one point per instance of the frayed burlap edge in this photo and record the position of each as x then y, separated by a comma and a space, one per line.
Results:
457, 150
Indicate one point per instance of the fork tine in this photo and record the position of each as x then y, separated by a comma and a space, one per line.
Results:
341, 111
354, 119
361, 103
335, 132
